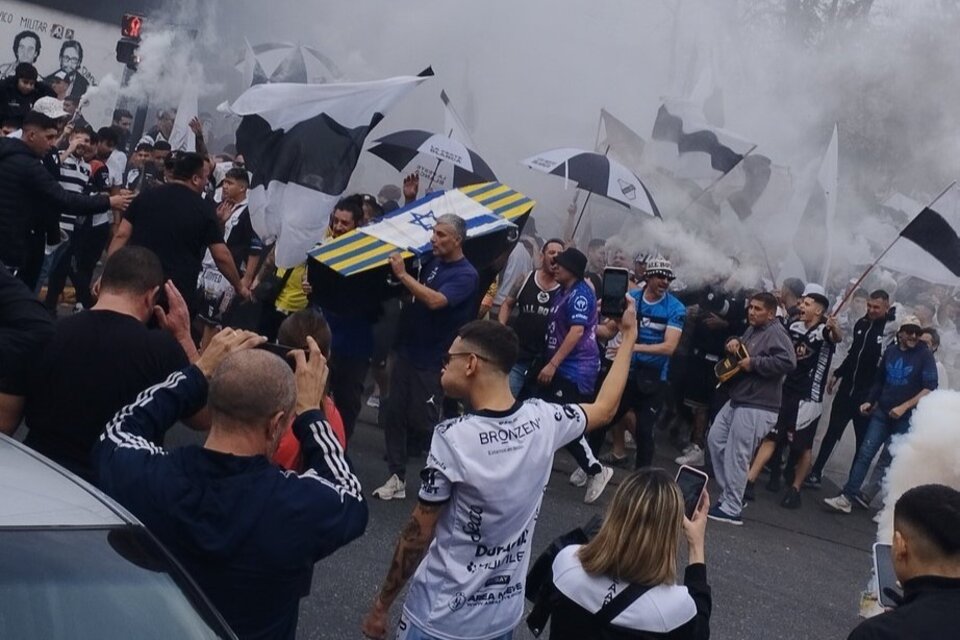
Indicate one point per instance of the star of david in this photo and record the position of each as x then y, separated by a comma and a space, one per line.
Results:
418, 219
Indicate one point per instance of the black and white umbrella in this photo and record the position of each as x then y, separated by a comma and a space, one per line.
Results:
401, 147
596, 173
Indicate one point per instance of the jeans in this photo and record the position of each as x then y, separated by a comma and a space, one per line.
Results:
518, 376
881, 427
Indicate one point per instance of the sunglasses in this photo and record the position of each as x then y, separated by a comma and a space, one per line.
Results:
447, 357
911, 332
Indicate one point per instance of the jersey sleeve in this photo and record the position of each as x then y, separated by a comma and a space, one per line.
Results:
461, 286
568, 422
677, 315
442, 470
581, 307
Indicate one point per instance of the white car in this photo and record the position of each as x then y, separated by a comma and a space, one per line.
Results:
74, 564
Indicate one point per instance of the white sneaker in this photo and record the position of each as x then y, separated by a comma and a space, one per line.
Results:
693, 457
578, 478
394, 487
841, 503
596, 484
373, 402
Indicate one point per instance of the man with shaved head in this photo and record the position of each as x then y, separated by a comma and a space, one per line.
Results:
248, 532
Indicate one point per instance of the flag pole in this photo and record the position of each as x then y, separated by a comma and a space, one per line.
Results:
864, 275
714, 183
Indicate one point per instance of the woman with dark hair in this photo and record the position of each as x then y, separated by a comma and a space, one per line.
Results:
622, 583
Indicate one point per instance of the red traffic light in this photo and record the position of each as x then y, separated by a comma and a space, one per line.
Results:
130, 26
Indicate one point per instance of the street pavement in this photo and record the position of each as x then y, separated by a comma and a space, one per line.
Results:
783, 575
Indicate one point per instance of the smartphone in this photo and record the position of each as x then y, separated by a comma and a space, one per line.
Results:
612, 291
280, 350
888, 588
692, 484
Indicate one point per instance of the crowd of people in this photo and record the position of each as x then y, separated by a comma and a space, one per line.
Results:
181, 314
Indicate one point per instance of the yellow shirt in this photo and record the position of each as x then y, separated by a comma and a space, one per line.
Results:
292, 298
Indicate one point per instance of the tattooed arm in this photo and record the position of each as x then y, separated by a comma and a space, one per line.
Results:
411, 547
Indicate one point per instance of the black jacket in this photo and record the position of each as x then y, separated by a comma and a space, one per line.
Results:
25, 326
27, 190
14, 104
930, 611
859, 368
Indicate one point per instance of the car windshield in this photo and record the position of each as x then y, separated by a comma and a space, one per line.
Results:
96, 583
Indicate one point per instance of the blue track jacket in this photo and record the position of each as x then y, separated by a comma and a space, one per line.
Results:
248, 532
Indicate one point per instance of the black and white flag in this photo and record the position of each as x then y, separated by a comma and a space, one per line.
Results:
929, 246
302, 142
683, 143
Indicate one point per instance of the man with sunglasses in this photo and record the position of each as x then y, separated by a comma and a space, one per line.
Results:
907, 373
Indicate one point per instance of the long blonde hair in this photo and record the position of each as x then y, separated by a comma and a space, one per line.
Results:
640, 536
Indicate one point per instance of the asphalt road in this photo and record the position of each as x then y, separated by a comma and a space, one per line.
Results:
783, 575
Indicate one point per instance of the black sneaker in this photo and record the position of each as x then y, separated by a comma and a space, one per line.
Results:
612, 460
813, 481
791, 499
773, 485
748, 494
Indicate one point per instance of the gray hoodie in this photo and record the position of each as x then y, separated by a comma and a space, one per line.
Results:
771, 357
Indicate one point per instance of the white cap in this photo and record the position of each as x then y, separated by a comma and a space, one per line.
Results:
813, 288
50, 107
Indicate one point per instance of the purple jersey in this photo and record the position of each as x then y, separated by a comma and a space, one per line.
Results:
577, 306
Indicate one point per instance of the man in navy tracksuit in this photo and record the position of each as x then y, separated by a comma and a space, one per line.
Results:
248, 532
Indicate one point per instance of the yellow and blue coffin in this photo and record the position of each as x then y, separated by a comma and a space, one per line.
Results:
354, 267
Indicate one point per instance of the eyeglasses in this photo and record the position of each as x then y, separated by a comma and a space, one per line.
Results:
911, 332
447, 357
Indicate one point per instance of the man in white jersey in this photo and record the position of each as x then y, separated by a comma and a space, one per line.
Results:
467, 544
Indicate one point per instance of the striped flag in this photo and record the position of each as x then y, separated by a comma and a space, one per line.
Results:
929, 246
302, 142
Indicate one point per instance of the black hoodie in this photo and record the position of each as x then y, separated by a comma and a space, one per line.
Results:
27, 190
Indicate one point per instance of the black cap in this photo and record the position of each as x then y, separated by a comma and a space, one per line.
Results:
573, 261
25, 71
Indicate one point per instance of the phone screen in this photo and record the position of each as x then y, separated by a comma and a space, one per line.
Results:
886, 576
692, 483
612, 292
279, 350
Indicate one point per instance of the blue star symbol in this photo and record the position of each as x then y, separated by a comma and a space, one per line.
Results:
418, 219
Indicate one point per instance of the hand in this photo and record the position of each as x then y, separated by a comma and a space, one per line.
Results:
223, 344
695, 528
746, 364
411, 186
897, 412
225, 210
832, 324
196, 126
733, 345
865, 408
375, 623
628, 321
177, 319
244, 291
546, 374
68, 129
396, 263
311, 374
831, 383
120, 202
714, 322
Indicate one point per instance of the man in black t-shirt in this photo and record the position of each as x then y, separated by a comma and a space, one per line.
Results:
177, 224
100, 359
534, 297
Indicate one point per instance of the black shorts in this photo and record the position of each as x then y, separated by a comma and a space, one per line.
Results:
802, 440
787, 418
699, 382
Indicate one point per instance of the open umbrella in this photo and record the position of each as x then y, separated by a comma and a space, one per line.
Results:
596, 173
401, 147
286, 62
352, 272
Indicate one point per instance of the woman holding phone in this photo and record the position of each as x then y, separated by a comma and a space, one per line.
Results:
622, 583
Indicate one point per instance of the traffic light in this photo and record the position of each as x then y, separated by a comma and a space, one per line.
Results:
130, 26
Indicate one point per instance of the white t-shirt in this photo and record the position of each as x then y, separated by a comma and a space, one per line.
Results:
491, 469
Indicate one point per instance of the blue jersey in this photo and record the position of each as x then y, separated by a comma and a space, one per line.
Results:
577, 306
653, 319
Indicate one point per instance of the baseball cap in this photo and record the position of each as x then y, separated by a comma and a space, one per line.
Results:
816, 292
910, 321
660, 266
50, 107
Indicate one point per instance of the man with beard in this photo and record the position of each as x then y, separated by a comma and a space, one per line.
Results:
906, 374
533, 297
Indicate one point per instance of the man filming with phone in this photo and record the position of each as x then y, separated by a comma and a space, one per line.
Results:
926, 560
